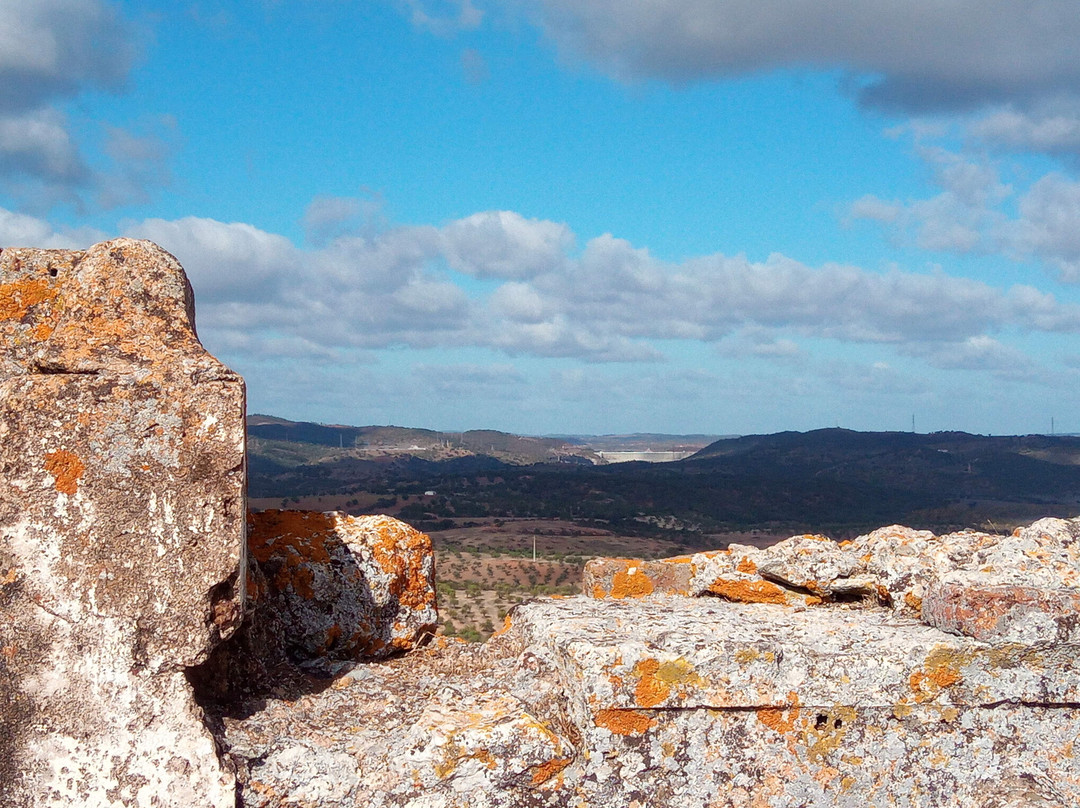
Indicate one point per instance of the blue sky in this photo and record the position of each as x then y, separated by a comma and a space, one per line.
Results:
581, 216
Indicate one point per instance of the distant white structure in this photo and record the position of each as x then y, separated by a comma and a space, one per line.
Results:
648, 456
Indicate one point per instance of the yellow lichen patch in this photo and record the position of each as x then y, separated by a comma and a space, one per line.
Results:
913, 601
631, 582
624, 722
9, 578
744, 656
742, 591
66, 468
825, 731
545, 771
940, 670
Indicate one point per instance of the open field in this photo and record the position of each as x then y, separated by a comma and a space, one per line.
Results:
485, 569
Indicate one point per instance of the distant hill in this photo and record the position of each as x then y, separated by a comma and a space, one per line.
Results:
268, 432
832, 480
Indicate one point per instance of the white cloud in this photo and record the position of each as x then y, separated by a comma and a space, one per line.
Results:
1051, 128
922, 54
984, 353
504, 244
21, 230
53, 48
259, 293
1048, 225
51, 52
977, 213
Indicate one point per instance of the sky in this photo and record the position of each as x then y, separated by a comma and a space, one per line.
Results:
581, 216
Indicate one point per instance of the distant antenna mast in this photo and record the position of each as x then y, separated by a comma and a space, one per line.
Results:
912, 423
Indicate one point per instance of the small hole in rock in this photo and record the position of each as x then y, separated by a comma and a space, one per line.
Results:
838, 723
821, 721
53, 271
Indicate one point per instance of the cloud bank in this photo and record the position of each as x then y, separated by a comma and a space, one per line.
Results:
260, 295
913, 56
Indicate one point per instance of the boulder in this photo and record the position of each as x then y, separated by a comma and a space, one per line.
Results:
324, 590
121, 529
343, 587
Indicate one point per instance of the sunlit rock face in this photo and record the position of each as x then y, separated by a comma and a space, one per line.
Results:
122, 512
899, 669
325, 590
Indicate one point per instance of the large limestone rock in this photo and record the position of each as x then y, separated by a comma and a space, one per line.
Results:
121, 529
901, 669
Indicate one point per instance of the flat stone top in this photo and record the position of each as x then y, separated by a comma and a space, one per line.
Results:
678, 652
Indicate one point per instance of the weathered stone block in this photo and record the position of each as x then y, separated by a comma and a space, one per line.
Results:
1004, 613
343, 587
121, 528
635, 578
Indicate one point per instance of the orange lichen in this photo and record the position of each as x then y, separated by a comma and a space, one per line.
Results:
655, 679
650, 690
747, 566
17, 298
631, 582
506, 626
401, 551
748, 591
941, 670
545, 771
294, 536
624, 722
66, 468
913, 601
599, 592
9, 651
9, 578
781, 719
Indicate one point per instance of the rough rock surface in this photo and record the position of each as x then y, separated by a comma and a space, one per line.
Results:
121, 529
680, 702
894, 566
344, 587
323, 589
802, 675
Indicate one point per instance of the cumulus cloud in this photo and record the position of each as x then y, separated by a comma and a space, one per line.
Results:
54, 48
504, 244
22, 230
916, 55
610, 302
1050, 128
976, 213
981, 352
